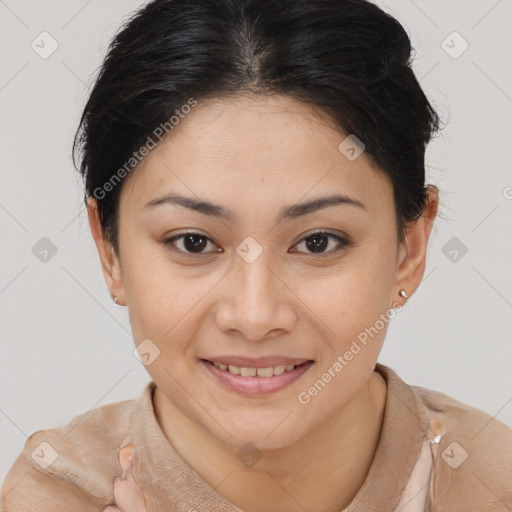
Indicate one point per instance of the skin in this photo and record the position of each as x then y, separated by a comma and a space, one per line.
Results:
254, 157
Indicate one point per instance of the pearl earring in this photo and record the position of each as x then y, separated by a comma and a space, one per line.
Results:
115, 299
403, 294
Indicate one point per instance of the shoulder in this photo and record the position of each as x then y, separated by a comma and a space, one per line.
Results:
473, 468
483, 428
70, 467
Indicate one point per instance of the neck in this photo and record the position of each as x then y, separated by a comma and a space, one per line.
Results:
306, 475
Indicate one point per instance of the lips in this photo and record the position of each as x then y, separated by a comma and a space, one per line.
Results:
260, 380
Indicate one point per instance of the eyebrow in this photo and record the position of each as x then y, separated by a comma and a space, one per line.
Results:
287, 213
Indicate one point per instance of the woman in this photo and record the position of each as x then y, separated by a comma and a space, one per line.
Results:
255, 184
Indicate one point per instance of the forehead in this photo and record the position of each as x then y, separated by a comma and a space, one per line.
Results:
263, 149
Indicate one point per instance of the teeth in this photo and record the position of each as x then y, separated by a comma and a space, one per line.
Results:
265, 372
234, 369
253, 372
278, 370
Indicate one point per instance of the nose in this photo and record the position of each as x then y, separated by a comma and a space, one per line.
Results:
257, 303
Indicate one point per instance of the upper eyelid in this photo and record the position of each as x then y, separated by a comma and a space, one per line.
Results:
341, 238
308, 234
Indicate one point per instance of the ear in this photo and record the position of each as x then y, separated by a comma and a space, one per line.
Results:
412, 254
110, 263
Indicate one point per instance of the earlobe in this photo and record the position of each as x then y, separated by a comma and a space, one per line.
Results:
109, 261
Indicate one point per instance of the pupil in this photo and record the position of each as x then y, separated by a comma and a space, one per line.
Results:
316, 245
192, 246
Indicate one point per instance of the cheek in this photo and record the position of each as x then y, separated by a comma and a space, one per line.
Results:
167, 308
353, 296
353, 305
157, 298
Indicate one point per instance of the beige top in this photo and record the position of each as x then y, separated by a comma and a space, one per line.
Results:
435, 454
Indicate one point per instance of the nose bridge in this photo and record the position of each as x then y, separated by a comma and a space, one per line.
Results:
254, 303
256, 284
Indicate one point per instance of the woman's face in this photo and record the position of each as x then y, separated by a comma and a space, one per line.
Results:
252, 283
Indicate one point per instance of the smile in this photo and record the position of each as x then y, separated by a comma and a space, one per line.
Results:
256, 381
253, 372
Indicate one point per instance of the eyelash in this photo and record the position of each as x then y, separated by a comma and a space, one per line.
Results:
343, 243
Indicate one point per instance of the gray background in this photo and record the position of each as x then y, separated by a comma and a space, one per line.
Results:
67, 348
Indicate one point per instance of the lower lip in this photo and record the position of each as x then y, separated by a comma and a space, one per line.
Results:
257, 385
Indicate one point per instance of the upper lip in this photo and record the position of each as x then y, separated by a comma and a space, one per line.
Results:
258, 362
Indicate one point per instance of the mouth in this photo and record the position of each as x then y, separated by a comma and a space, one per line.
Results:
246, 371
256, 380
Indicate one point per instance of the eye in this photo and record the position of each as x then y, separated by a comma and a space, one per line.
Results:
318, 241
192, 243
